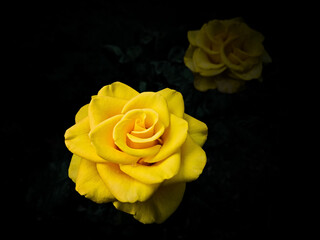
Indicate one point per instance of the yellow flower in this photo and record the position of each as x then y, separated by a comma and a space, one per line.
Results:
136, 150
224, 54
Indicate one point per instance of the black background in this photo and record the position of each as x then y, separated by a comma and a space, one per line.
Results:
59, 54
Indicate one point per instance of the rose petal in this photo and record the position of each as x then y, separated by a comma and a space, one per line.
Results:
104, 107
102, 140
204, 83
204, 65
227, 84
82, 113
155, 173
74, 167
89, 183
118, 90
159, 207
253, 73
173, 138
193, 160
126, 125
124, 187
215, 28
150, 100
174, 100
192, 37
198, 130
78, 142
188, 58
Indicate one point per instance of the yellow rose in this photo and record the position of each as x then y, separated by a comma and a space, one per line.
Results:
224, 54
136, 150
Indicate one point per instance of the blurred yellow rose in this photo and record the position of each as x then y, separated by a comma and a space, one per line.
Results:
136, 150
224, 54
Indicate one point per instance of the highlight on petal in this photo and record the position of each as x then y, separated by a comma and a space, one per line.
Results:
118, 90
193, 160
150, 100
89, 183
204, 83
198, 130
74, 167
104, 107
82, 113
156, 172
159, 207
124, 187
173, 138
174, 100
78, 142
103, 143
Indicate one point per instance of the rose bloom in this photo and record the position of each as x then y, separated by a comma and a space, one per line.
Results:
136, 150
224, 54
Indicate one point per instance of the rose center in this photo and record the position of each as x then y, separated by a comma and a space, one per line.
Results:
139, 132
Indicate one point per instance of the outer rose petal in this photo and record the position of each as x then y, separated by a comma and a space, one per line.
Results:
74, 167
104, 107
78, 142
102, 141
118, 90
155, 173
228, 85
188, 58
193, 160
82, 113
198, 130
253, 73
124, 187
192, 37
159, 207
174, 100
204, 83
89, 183
150, 100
